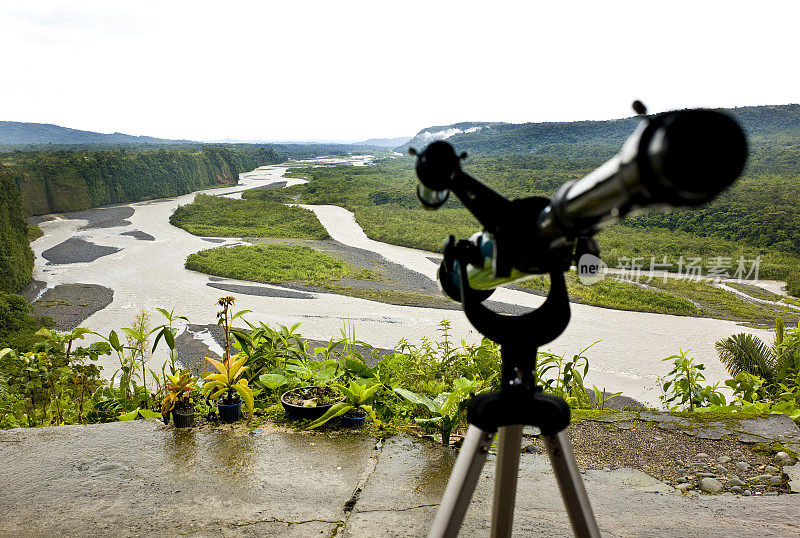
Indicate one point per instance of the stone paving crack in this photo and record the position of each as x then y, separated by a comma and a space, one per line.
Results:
399, 509
350, 505
285, 522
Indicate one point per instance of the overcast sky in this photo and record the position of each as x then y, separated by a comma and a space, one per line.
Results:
351, 70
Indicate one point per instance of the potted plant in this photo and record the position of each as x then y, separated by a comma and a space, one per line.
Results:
177, 400
226, 381
353, 410
309, 402
229, 388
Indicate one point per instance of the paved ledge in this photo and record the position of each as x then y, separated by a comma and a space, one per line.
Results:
141, 478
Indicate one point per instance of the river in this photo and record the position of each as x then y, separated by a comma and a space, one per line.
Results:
149, 274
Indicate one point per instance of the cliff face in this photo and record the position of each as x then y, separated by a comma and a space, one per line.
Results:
59, 181
16, 257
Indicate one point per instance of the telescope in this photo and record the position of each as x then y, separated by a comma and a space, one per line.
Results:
674, 159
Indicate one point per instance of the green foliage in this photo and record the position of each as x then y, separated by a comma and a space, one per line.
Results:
564, 377
766, 378
447, 409
682, 385
619, 295
16, 256
357, 395
274, 264
225, 217
382, 198
745, 353
793, 283
51, 384
34, 233
58, 181
18, 325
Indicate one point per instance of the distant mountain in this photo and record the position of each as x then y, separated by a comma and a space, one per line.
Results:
384, 142
765, 125
21, 133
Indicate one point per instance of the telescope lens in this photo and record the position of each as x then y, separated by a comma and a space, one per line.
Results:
430, 198
698, 153
437, 166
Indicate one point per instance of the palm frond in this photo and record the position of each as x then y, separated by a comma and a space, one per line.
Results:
747, 353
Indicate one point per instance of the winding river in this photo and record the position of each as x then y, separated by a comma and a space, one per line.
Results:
145, 274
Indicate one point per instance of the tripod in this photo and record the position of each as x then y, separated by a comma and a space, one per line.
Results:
519, 402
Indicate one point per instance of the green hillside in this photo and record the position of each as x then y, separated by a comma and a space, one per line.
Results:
16, 257
58, 181
764, 125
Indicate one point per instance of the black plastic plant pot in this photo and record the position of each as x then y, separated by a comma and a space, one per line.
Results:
354, 419
296, 411
229, 412
183, 418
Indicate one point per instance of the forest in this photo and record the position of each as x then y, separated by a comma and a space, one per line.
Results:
774, 126
59, 181
35, 183
758, 216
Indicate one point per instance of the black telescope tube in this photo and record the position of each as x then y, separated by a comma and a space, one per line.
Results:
682, 158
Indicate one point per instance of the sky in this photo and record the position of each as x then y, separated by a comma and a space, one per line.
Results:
352, 70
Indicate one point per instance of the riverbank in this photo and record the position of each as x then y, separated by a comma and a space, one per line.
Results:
146, 274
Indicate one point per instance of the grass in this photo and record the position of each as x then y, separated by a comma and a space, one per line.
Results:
754, 291
34, 233
382, 198
275, 264
225, 217
405, 298
415, 228
673, 296
720, 304
792, 301
619, 295
383, 201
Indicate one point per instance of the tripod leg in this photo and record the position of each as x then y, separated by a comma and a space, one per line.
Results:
462, 483
505, 480
569, 482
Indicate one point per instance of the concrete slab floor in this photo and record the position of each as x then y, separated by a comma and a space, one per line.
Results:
140, 478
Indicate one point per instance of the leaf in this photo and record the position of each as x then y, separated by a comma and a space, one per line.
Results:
219, 366
169, 338
239, 314
419, 399
273, 381
78, 332
146, 413
114, 341
336, 410
158, 337
136, 335
598, 396
129, 416
367, 394
246, 394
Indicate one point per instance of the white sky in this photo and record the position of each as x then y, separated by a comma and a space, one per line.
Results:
350, 70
